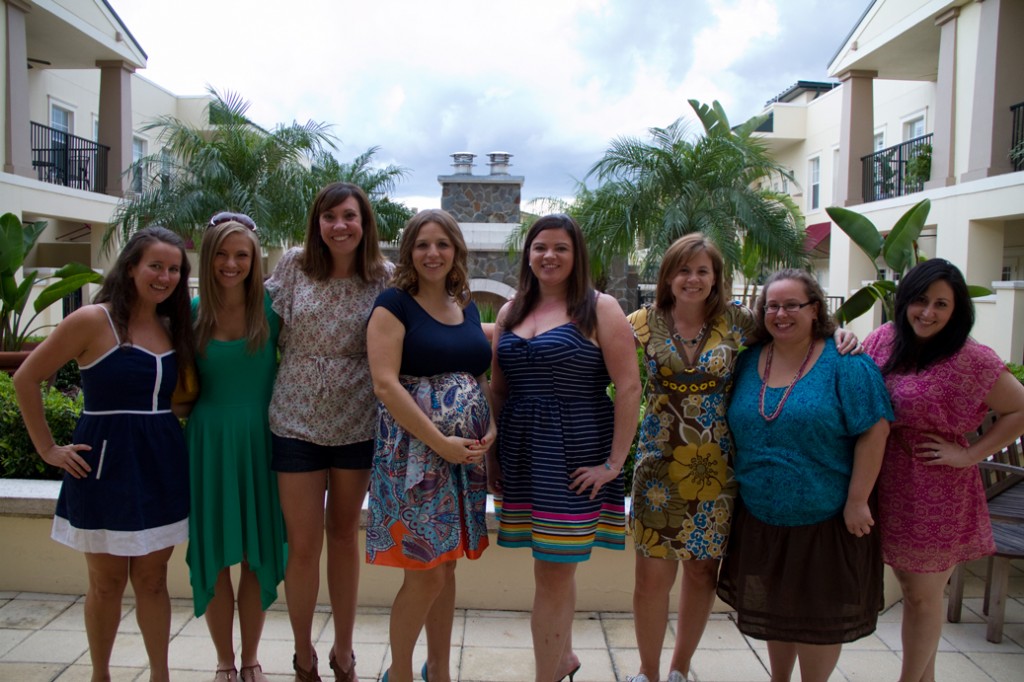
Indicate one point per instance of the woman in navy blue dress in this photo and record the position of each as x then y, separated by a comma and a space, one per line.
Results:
124, 499
561, 440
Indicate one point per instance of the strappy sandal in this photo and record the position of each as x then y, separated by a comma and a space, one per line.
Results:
252, 673
343, 675
225, 675
310, 675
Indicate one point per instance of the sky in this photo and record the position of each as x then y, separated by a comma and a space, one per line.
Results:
552, 82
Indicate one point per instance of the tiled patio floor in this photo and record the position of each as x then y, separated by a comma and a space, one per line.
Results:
42, 638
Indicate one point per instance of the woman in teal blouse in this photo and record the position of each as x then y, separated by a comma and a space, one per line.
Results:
803, 568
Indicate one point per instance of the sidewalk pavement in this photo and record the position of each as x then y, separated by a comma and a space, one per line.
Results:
42, 638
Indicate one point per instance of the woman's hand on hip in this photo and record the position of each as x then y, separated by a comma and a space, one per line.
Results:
592, 477
66, 457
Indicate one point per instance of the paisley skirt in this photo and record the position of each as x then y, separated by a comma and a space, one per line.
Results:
424, 510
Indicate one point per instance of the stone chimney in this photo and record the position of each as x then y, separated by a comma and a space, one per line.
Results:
492, 198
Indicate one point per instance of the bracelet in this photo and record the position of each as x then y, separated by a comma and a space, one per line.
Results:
608, 466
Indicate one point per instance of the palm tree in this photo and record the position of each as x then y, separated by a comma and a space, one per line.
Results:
650, 193
376, 181
234, 164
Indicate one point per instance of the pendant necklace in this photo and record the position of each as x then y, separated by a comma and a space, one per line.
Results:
695, 340
789, 389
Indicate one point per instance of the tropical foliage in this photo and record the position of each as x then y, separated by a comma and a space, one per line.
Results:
16, 240
720, 182
897, 249
234, 164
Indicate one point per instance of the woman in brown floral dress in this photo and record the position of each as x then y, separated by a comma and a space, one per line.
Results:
683, 485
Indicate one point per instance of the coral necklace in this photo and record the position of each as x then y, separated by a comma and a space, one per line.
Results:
789, 389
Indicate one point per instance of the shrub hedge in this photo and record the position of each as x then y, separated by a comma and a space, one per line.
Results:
18, 459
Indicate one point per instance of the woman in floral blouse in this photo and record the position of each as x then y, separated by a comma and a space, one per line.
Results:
322, 412
683, 485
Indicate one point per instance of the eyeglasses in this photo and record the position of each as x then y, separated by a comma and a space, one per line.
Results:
773, 308
227, 216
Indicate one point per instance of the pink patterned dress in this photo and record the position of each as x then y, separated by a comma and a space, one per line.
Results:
933, 517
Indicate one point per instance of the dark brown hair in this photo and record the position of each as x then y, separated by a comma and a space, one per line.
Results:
120, 292
824, 324
316, 259
581, 303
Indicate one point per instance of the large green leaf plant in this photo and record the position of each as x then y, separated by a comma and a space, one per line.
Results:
16, 240
897, 249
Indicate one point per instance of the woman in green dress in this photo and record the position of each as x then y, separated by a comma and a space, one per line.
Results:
235, 515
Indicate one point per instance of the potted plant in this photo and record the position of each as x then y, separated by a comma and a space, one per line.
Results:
919, 168
16, 240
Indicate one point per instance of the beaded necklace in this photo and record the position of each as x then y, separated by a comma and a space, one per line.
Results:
789, 389
695, 340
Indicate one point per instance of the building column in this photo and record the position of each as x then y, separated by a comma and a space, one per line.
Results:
995, 88
856, 134
115, 124
945, 103
976, 247
17, 127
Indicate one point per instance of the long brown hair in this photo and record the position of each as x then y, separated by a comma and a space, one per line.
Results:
405, 277
316, 260
119, 291
211, 296
580, 303
681, 252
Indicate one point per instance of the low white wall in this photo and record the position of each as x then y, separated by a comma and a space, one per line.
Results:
502, 579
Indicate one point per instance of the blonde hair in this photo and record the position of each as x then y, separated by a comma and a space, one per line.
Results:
210, 294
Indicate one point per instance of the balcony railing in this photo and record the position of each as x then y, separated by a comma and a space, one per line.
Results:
898, 170
1017, 137
64, 159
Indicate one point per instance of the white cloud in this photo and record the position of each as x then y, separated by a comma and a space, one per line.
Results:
551, 81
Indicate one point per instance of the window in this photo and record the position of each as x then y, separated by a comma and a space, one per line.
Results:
879, 141
95, 128
913, 127
61, 119
814, 184
138, 152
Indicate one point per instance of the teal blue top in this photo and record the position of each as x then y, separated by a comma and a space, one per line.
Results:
796, 470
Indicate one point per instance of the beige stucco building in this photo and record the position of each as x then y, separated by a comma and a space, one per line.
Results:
940, 77
73, 114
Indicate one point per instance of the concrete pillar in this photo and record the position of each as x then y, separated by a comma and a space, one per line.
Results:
17, 128
996, 87
945, 103
115, 124
1009, 339
856, 134
976, 247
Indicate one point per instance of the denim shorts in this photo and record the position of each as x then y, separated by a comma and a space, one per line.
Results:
294, 456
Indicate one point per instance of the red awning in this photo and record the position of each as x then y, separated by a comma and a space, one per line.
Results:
816, 234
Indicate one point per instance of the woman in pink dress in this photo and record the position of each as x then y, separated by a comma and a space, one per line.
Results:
932, 508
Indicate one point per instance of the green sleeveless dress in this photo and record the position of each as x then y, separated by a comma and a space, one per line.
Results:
235, 510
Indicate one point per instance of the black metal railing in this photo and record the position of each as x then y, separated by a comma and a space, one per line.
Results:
898, 170
1017, 137
64, 159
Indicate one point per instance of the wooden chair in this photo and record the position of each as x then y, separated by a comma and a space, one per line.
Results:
1003, 477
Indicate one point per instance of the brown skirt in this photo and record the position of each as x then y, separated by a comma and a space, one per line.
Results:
816, 584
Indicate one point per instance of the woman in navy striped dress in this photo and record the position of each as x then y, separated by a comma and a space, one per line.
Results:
561, 440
